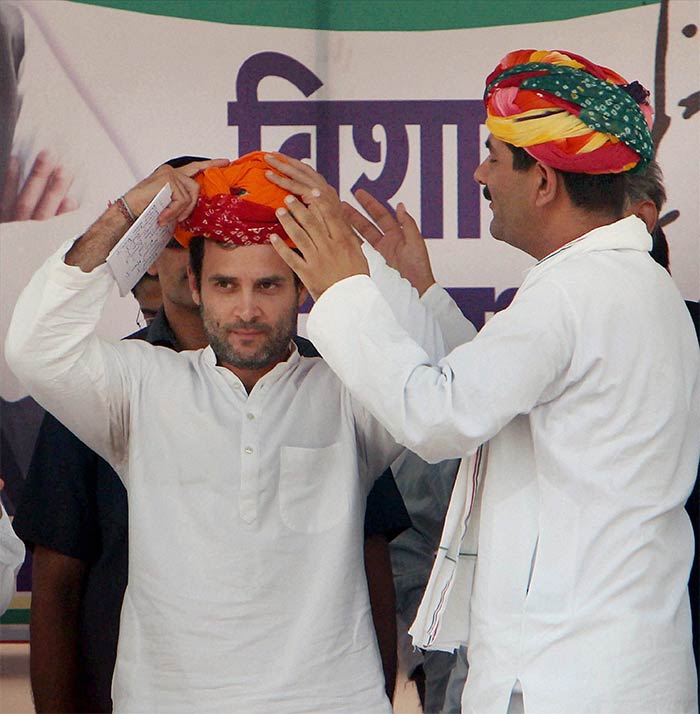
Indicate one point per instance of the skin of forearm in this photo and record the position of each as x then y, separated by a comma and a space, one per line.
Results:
93, 247
57, 587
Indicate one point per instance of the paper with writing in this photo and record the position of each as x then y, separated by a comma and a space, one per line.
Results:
141, 244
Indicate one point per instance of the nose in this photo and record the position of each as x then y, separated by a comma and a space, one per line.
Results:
248, 308
480, 173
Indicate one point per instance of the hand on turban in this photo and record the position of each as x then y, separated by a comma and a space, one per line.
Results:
236, 204
569, 113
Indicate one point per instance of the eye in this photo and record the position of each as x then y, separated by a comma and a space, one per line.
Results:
222, 283
267, 285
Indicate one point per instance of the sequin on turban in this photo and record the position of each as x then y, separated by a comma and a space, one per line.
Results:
236, 204
569, 113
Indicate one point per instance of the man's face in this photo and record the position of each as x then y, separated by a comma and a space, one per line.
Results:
171, 269
509, 193
148, 295
249, 303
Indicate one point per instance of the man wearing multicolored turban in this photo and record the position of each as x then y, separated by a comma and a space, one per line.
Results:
247, 465
564, 559
569, 113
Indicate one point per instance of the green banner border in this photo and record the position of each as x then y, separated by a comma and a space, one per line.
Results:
373, 15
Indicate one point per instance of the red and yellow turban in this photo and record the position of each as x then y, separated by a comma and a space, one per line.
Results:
569, 113
236, 204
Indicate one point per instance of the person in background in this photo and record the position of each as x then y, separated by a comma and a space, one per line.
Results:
148, 296
645, 197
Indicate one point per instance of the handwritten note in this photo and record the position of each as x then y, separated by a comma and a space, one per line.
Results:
141, 244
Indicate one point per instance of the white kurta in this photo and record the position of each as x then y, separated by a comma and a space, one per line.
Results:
247, 592
588, 387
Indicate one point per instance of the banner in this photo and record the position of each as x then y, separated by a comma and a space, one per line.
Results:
381, 96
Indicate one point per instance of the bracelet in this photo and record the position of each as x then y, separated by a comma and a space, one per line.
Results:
123, 208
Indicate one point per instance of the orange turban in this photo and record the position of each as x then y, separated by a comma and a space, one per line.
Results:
236, 204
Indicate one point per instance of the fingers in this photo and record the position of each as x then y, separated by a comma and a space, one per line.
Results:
301, 226
55, 192
185, 192
292, 259
34, 186
67, 205
377, 211
361, 224
297, 177
196, 166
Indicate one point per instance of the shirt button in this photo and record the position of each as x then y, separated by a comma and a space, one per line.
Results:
248, 449
250, 416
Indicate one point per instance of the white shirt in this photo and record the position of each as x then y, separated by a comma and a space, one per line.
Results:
588, 387
11, 559
246, 589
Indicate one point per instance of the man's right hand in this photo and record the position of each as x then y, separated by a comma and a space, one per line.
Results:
185, 190
397, 238
92, 248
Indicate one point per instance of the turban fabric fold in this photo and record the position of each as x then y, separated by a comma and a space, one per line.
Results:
236, 204
569, 113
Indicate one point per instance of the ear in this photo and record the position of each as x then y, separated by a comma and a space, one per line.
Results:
547, 184
646, 210
193, 287
303, 294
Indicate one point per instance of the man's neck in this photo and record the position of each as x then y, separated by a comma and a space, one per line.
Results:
250, 377
186, 324
568, 228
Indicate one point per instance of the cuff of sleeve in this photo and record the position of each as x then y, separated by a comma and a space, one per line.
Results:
336, 296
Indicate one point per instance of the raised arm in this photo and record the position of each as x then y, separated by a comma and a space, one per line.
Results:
51, 344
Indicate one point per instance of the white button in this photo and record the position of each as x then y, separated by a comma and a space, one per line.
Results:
248, 449
250, 416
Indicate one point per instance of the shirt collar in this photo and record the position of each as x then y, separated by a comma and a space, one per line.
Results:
280, 369
626, 234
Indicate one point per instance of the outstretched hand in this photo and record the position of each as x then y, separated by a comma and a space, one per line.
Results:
397, 238
330, 250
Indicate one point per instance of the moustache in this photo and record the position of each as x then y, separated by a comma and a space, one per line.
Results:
487, 193
243, 325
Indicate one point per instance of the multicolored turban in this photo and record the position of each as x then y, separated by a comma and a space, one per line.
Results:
236, 204
569, 113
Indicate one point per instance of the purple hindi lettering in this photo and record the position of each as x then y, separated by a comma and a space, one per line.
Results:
250, 114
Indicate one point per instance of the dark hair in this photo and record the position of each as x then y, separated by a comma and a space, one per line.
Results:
179, 161
647, 184
659, 247
145, 278
197, 258
603, 193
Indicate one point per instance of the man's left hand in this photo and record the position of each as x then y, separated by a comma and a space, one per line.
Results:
330, 249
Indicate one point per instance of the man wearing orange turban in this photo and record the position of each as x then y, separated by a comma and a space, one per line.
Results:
247, 465
564, 560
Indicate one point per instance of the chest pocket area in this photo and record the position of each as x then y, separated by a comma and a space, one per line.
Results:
314, 491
